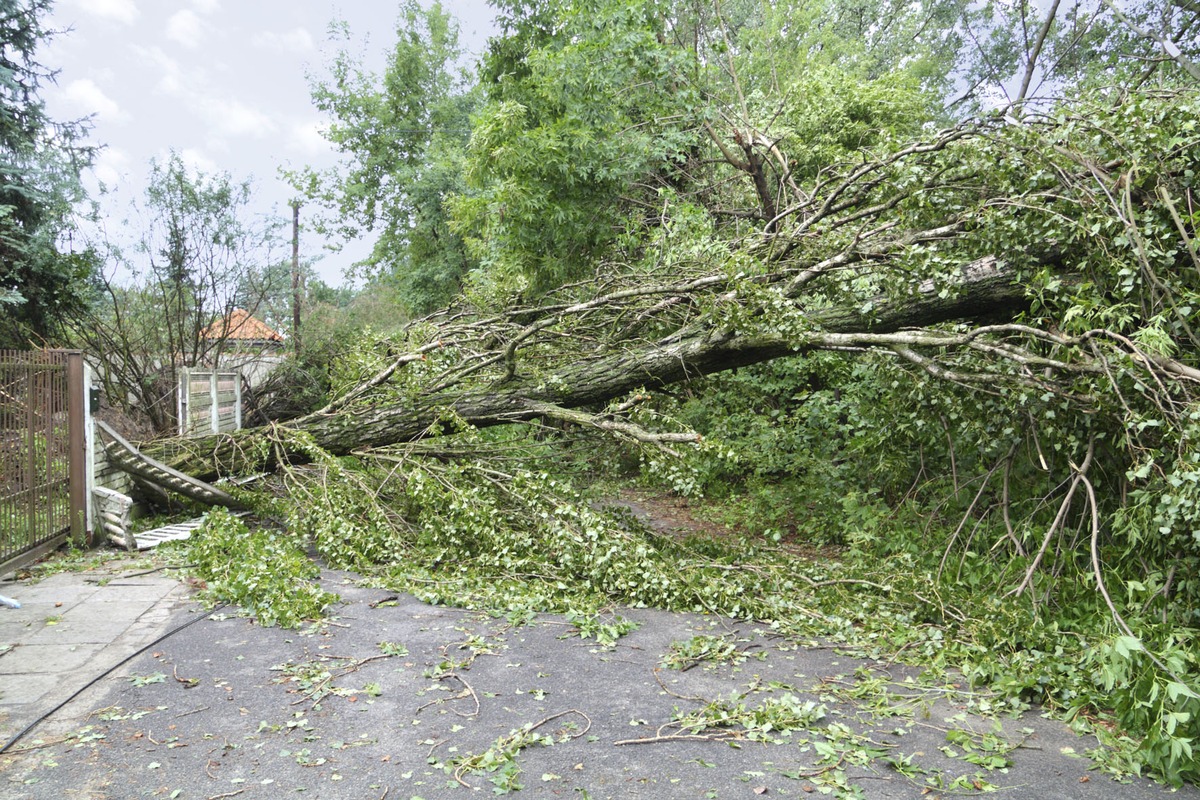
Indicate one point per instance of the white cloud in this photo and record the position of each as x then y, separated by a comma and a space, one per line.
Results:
206, 6
170, 74
221, 115
123, 11
185, 28
305, 139
86, 98
297, 40
111, 166
195, 161
234, 118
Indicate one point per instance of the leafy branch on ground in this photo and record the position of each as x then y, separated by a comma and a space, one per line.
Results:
264, 571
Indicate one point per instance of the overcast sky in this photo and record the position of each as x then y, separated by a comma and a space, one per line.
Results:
222, 82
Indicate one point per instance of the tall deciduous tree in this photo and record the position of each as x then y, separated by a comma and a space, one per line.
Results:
599, 112
401, 135
583, 101
40, 161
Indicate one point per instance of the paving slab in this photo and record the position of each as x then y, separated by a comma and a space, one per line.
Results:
58, 593
89, 624
137, 591
34, 658
18, 695
70, 629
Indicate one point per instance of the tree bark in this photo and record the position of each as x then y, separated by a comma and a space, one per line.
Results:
986, 293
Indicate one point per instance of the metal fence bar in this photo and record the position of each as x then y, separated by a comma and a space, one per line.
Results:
77, 459
27, 477
42, 453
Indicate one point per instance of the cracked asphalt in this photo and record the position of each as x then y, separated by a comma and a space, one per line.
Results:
394, 698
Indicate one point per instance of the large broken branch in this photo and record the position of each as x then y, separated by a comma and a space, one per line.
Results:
986, 291
892, 225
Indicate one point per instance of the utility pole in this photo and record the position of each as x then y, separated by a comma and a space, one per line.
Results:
296, 274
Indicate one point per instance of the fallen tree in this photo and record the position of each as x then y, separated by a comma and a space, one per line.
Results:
1050, 262
900, 253
985, 291
1034, 283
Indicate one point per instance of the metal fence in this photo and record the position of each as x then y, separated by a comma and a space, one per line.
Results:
42, 453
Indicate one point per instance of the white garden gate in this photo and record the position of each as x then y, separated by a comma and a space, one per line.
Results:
209, 401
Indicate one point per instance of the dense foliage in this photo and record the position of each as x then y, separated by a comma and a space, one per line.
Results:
950, 334
265, 572
40, 162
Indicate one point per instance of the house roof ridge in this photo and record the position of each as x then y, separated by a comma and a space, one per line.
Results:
241, 325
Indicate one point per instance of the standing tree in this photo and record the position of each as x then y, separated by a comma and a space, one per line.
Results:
1027, 53
401, 135
40, 161
198, 256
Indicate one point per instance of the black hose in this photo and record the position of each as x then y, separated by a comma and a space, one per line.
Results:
104, 675
123, 576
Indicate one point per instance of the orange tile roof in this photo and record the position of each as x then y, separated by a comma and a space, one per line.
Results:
240, 325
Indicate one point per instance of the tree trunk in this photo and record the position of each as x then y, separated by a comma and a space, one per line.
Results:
986, 293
